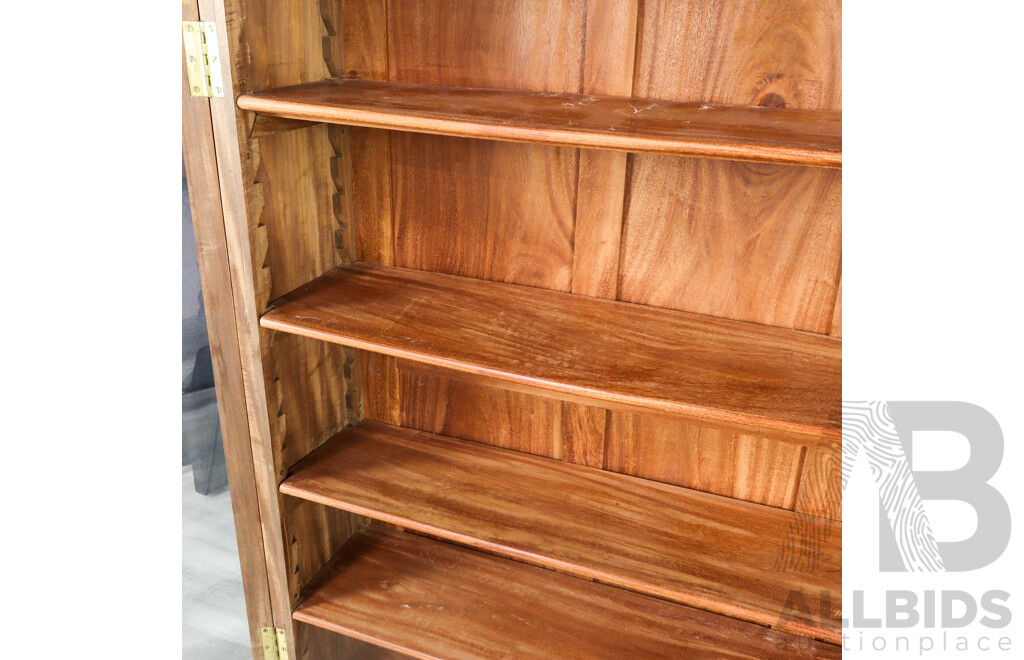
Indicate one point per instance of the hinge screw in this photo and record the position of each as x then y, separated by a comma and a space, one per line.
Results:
195, 89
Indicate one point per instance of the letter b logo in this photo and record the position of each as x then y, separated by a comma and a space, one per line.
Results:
883, 431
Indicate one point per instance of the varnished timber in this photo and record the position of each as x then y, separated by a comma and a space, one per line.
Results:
698, 549
662, 360
747, 241
276, 195
725, 459
774, 135
434, 600
200, 158
753, 242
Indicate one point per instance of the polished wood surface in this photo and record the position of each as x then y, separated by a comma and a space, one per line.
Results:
277, 193
201, 171
724, 459
518, 213
753, 242
435, 600
739, 240
691, 547
486, 209
774, 135
734, 462
667, 361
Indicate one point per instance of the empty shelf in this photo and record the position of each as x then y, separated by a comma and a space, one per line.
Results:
599, 350
734, 558
433, 600
778, 135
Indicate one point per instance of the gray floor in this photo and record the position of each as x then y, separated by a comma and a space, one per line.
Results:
213, 621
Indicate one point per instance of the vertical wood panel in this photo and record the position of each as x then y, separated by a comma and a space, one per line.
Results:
493, 416
364, 25
583, 434
515, 44
747, 52
746, 241
607, 69
489, 210
821, 490
610, 40
492, 210
704, 457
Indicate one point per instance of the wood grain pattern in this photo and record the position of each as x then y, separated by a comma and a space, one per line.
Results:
215, 278
484, 209
516, 44
477, 208
487, 210
668, 361
317, 643
263, 179
435, 600
757, 243
821, 484
467, 410
307, 555
634, 124
583, 434
770, 53
690, 547
364, 27
752, 242
714, 459
609, 44
837, 315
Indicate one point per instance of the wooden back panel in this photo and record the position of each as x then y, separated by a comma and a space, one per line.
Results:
755, 242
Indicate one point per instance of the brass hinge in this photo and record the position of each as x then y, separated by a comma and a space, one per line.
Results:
275, 644
202, 58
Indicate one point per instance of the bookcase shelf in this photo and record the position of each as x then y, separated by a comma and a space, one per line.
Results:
428, 599
598, 350
774, 135
686, 546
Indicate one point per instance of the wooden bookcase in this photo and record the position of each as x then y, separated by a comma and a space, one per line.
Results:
526, 322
